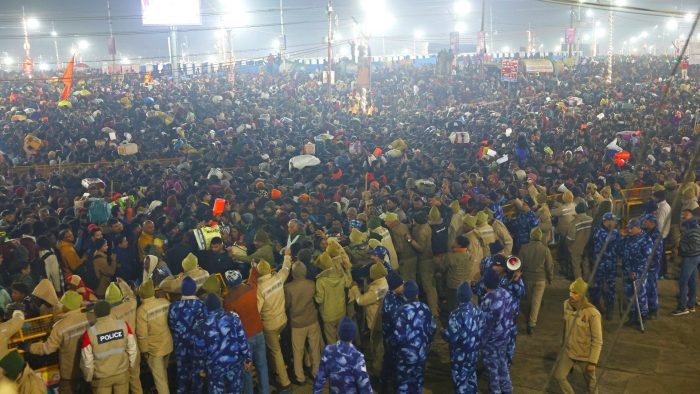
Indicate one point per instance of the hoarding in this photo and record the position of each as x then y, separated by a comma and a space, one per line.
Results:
509, 70
171, 12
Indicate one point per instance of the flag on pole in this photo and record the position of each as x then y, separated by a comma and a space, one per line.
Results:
67, 79
147, 79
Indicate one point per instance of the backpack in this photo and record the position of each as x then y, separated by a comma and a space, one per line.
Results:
98, 212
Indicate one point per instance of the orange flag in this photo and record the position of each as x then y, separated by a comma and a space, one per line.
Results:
67, 79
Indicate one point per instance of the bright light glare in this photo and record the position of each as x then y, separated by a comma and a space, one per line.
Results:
344, 52
276, 45
377, 18
586, 37
505, 49
633, 40
33, 23
8, 61
235, 14
460, 27
211, 59
620, 3
561, 39
589, 13
43, 67
672, 24
53, 33
418, 34
644, 34
461, 7
600, 33
125, 60
83, 44
688, 17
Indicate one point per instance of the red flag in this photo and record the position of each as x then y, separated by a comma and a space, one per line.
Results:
67, 79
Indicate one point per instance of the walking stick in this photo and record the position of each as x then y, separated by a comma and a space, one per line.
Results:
636, 300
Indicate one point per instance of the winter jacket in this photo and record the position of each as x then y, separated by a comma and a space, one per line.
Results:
70, 257
537, 262
271, 297
583, 332
152, 332
65, 337
460, 268
299, 301
8, 329
690, 239
330, 293
372, 300
264, 252
105, 268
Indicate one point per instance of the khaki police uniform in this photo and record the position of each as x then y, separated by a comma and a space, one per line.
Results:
154, 339
108, 350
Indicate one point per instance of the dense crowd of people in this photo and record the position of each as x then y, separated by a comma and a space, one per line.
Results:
375, 223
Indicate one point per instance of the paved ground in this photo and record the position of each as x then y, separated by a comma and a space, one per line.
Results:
662, 360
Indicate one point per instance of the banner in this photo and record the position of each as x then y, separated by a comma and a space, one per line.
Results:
67, 79
570, 36
509, 70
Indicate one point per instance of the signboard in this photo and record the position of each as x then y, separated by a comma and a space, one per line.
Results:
570, 36
171, 12
537, 66
509, 70
454, 42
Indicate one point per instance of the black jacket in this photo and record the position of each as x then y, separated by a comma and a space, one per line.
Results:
690, 239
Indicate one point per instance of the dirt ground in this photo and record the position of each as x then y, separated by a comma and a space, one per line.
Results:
661, 360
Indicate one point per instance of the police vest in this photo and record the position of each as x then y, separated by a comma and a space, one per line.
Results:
108, 341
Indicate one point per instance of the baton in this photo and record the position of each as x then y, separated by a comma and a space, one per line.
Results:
639, 312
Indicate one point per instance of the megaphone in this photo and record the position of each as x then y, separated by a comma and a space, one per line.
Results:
513, 263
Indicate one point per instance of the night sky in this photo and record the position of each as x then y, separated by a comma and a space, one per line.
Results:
306, 27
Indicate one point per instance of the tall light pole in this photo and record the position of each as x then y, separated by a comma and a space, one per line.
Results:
28, 24
111, 44
330, 46
283, 39
608, 77
54, 34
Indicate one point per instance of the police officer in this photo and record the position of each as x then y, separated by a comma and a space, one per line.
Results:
182, 316
464, 334
343, 365
65, 337
583, 338
392, 302
636, 248
512, 282
123, 304
108, 351
577, 239
606, 274
414, 329
220, 336
153, 335
524, 223
421, 241
498, 315
651, 228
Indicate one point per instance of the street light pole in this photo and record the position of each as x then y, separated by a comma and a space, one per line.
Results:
608, 77
283, 39
55, 45
27, 64
330, 46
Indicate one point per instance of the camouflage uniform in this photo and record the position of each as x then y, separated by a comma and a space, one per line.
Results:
522, 226
606, 275
464, 332
635, 251
498, 314
517, 291
414, 328
654, 269
345, 367
182, 317
392, 303
221, 338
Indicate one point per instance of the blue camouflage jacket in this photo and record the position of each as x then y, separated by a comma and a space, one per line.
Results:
414, 329
345, 366
635, 251
612, 251
498, 307
182, 317
464, 332
523, 224
392, 303
220, 336
654, 234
